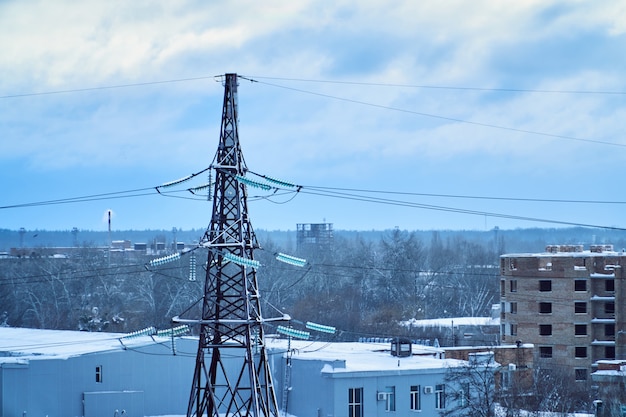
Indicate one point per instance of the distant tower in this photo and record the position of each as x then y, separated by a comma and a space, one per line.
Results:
22, 233
314, 236
75, 236
232, 375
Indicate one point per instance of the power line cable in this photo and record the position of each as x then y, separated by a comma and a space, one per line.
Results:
462, 196
401, 203
446, 118
255, 77
441, 87
106, 87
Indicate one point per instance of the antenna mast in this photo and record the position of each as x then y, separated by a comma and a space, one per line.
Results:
232, 375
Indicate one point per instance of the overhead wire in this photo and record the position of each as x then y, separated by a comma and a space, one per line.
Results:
440, 87
400, 203
446, 118
255, 78
106, 87
334, 192
349, 194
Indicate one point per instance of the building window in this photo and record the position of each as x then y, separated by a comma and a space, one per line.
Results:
506, 378
416, 400
513, 329
512, 264
580, 352
580, 285
609, 285
580, 329
609, 329
609, 308
580, 307
99, 374
545, 352
390, 403
513, 285
355, 402
580, 374
545, 330
440, 396
545, 285
545, 308
502, 288
609, 352
464, 394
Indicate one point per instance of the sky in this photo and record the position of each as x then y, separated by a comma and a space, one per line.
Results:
448, 115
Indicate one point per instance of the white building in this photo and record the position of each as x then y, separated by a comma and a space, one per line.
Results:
361, 380
67, 373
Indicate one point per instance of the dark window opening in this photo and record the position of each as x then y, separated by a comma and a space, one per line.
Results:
545, 285
580, 307
609, 352
545, 352
545, 308
609, 285
545, 329
580, 285
580, 374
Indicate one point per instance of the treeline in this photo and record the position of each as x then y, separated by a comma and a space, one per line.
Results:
363, 284
366, 287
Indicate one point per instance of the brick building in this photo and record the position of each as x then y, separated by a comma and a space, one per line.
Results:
568, 302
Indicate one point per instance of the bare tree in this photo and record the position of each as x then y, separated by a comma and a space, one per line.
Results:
470, 388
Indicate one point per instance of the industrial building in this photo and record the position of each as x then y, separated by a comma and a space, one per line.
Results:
69, 373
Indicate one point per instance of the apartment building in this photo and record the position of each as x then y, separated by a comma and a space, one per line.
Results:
569, 302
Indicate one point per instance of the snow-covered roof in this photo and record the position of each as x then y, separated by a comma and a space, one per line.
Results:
364, 357
456, 321
21, 343
581, 254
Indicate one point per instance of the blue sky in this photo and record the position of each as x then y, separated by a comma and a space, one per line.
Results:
506, 101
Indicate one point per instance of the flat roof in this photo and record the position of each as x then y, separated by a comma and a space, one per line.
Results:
22, 343
364, 357
19, 344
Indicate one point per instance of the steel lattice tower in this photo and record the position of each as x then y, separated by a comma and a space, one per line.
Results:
232, 375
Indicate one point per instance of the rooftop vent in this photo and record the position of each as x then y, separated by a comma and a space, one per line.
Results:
601, 248
401, 347
564, 248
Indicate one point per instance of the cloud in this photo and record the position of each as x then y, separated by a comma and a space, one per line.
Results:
385, 120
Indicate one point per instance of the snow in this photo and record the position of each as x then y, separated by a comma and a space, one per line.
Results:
501, 412
457, 321
364, 357
21, 343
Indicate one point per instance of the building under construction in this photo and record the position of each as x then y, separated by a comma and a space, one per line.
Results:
314, 236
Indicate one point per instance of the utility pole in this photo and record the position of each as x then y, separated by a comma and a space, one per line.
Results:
232, 375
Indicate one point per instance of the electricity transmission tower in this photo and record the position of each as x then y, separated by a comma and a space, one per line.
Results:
232, 375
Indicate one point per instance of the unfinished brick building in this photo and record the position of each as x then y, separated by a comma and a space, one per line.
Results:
568, 302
